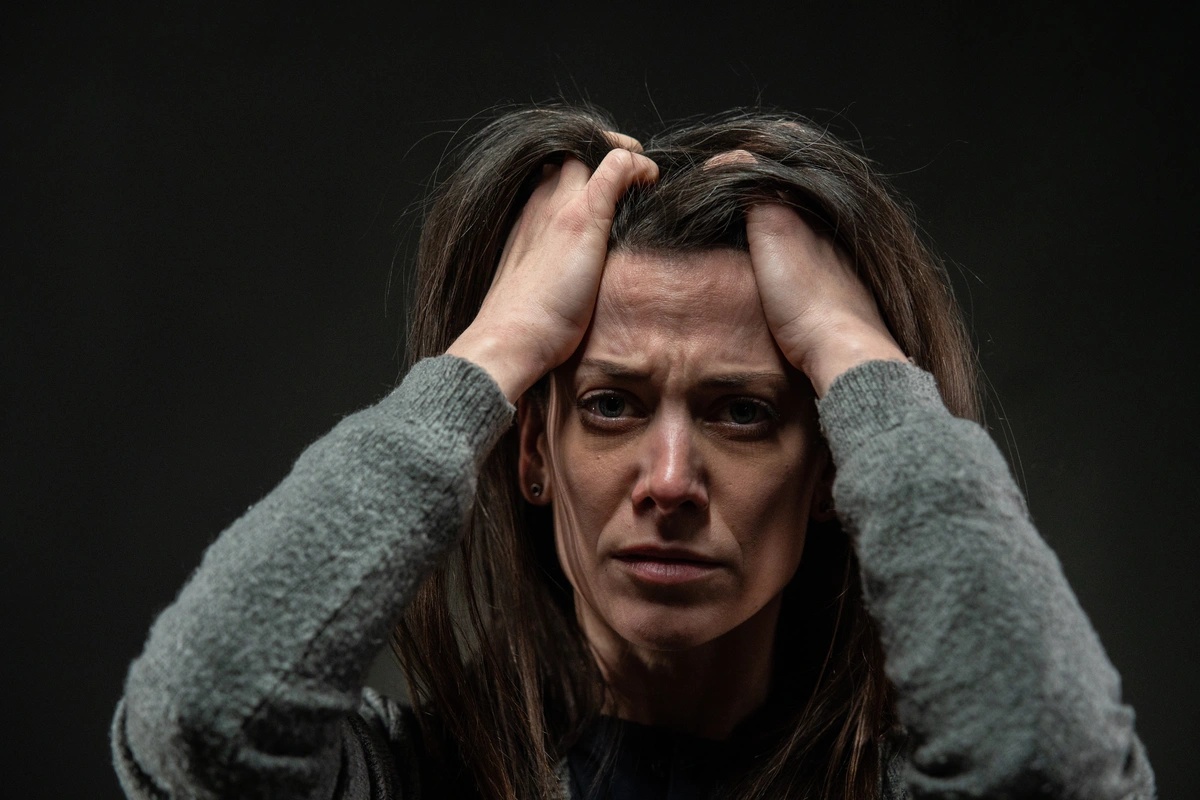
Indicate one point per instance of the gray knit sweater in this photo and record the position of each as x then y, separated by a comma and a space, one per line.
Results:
251, 682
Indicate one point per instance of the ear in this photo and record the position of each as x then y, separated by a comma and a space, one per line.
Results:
822, 509
532, 465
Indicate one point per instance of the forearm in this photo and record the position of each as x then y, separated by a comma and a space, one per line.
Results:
1003, 684
246, 676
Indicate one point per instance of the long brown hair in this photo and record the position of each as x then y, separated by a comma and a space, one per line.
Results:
500, 676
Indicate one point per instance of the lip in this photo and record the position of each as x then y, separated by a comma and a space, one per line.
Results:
666, 565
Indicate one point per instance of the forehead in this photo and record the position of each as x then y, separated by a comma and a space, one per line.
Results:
632, 278
701, 305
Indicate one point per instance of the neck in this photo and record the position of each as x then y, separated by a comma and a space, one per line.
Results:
705, 691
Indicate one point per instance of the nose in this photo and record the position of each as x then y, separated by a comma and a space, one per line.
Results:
671, 475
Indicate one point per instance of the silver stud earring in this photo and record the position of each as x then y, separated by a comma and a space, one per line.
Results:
535, 489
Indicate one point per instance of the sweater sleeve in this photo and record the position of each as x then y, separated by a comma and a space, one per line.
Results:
1003, 686
249, 682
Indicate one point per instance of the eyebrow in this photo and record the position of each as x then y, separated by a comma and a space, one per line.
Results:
724, 380
737, 380
613, 369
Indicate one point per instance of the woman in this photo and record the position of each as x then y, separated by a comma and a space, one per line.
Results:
677, 575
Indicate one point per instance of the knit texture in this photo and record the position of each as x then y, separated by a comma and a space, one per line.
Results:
1003, 685
251, 682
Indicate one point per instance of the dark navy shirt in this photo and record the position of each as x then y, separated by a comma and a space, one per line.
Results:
621, 760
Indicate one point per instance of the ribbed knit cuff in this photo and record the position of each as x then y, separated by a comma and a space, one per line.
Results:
454, 396
871, 399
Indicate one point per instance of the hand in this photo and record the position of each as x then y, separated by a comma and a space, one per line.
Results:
542, 296
823, 317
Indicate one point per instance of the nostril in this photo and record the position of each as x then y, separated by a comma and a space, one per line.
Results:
670, 498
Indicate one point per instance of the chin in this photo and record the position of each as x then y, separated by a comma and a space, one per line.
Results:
670, 629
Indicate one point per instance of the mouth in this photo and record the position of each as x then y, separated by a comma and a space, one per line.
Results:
666, 566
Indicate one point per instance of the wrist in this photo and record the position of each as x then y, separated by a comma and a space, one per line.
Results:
844, 355
494, 353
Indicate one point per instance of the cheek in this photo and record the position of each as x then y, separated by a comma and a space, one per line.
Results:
593, 475
589, 495
768, 508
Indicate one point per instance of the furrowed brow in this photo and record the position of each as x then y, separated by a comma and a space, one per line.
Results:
614, 369
740, 380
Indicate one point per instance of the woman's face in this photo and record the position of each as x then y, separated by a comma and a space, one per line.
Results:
680, 453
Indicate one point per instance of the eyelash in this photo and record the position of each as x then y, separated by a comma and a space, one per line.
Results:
588, 406
767, 411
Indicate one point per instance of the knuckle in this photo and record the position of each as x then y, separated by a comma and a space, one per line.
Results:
625, 141
575, 219
621, 158
731, 157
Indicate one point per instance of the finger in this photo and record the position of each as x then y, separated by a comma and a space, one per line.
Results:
776, 220
619, 170
624, 142
731, 157
551, 174
575, 174
783, 248
783, 243
547, 184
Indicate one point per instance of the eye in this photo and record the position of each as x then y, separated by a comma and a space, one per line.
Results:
608, 410
747, 416
610, 405
745, 412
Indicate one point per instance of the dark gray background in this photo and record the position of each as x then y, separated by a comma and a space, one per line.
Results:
203, 271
